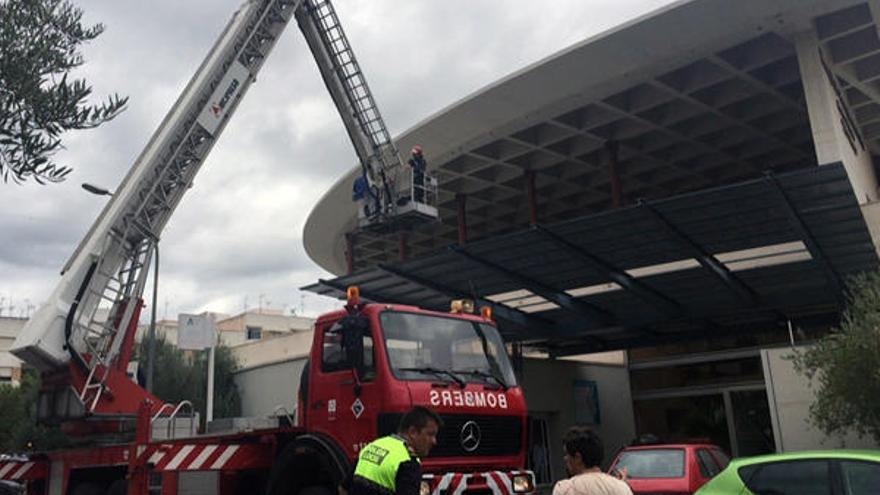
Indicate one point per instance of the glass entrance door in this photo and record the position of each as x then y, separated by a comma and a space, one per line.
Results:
539, 449
736, 419
695, 418
748, 413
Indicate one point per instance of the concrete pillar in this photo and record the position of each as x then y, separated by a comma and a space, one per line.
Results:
461, 199
611, 149
532, 197
834, 133
402, 246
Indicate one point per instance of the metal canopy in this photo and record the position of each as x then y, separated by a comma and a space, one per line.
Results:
706, 263
688, 109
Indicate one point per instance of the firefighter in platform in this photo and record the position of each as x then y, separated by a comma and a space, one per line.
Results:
359, 193
390, 465
418, 165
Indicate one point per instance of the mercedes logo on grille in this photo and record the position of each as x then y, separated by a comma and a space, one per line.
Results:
469, 436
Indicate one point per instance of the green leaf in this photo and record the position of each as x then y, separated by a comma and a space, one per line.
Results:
40, 41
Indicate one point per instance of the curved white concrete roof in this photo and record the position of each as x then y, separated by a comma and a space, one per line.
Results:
698, 93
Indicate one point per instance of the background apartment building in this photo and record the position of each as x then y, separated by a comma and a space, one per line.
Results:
10, 366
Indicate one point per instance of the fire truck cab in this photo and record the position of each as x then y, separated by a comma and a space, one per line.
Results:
368, 367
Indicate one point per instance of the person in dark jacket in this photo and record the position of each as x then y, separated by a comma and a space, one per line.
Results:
391, 465
419, 165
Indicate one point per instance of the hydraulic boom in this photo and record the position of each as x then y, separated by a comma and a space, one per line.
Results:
82, 337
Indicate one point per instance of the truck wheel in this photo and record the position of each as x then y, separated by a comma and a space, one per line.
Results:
118, 487
10, 488
87, 489
304, 469
316, 490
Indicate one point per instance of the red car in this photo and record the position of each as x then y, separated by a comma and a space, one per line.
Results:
669, 469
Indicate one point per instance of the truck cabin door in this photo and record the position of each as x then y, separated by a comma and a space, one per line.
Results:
344, 398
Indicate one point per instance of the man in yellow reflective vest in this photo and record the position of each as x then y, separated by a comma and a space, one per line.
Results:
390, 465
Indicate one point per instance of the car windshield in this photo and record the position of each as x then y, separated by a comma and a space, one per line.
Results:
423, 346
655, 463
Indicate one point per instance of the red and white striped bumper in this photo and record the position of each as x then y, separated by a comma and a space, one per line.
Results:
205, 457
499, 482
22, 470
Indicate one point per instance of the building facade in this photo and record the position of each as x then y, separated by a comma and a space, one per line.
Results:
250, 326
10, 366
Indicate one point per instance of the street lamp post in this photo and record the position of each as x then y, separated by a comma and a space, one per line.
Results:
151, 335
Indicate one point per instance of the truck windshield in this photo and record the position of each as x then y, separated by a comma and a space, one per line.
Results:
434, 347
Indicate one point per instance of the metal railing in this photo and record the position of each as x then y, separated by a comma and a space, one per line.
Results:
171, 427
291, 416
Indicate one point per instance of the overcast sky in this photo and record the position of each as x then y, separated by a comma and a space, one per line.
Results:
235, 240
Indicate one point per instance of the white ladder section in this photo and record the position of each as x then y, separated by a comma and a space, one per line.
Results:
108, 271
379, 157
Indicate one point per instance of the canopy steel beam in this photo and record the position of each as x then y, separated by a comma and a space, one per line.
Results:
536, 328
593, 315
585, 346
368, 296
701, 331
709, 262
333, 284
797, 223
620, 277
504, 312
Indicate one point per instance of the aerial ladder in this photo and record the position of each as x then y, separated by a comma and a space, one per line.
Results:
82, 338
392, 201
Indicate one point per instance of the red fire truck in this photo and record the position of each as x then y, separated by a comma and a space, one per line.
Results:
369, 363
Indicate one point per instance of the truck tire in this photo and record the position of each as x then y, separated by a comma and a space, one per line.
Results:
11, 488
118, 487
86, 488
305, 467
316, 490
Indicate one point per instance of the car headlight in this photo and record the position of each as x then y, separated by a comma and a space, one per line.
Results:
522, 483
424, 488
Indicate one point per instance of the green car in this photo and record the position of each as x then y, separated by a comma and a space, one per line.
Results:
822, 472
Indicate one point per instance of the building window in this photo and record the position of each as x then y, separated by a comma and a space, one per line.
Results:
254, 333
